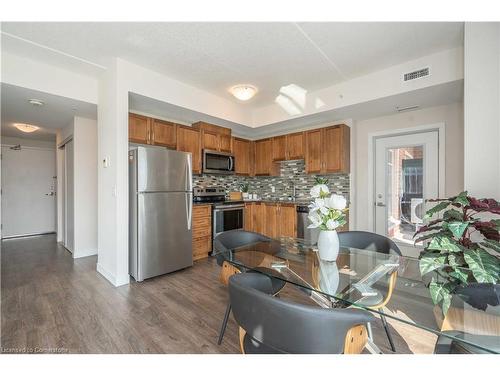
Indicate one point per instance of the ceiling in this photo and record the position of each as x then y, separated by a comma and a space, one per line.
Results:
436, 95
215, 56
56, 113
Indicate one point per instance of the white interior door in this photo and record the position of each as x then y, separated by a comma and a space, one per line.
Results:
28, 191
406, 173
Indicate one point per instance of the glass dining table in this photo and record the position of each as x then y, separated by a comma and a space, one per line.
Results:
388, 285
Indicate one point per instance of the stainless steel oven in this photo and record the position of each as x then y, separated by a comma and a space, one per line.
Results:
218, 162
227, 216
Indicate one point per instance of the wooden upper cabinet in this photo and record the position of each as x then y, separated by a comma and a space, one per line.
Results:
263, 155
214, 137
313, 151
336, 149
242, 149
328, 150
139, 128
287, 220
279, 148
295, 146
188, 140
225, 143
164, 133
209, 140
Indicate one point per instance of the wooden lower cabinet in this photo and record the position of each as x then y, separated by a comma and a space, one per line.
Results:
202, 231
259, 217
248, 217
287, 220
271, 219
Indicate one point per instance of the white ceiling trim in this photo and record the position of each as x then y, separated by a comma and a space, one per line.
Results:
53, 50
322, 53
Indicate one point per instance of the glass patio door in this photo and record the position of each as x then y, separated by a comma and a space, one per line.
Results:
406, 174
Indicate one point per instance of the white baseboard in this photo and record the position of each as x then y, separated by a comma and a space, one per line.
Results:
112, 278
84, 253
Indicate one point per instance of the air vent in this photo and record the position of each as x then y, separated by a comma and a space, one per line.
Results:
416, 74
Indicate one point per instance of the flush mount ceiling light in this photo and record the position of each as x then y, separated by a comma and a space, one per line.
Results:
27, 128
36, 102
243, 92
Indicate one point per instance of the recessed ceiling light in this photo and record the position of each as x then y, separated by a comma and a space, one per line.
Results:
243, 92
27, 128
36, 102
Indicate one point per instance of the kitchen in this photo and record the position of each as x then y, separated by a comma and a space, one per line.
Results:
276, 172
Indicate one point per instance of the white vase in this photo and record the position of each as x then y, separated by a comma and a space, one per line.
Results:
328, 277
328, 245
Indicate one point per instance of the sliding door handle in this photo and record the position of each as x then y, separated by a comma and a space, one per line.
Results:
380, 204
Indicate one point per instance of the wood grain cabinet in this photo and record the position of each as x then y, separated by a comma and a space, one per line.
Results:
202, 231
164, 133
243, 156
264, 165
287, 220
328, 150
288, 147
214, 137
259, 217
271, 220
279, 148
248, 217
188, 140
295, 146
139, 129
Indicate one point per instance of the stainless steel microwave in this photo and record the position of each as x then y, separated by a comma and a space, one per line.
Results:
218, 162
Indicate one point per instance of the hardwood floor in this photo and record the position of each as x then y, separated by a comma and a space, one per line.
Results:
51, 303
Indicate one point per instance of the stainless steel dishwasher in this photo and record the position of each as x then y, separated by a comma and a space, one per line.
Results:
302, 222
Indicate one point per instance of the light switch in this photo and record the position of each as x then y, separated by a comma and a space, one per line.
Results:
105, 162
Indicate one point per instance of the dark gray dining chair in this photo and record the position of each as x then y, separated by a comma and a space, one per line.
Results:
374, 242
222, 245
270, 325
475, 298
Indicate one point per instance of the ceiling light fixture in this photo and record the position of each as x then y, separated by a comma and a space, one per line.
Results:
36, 102
243, 92
26, 128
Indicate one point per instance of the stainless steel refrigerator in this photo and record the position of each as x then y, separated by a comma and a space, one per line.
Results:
161, 203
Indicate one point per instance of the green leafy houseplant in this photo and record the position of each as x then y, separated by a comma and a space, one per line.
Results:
244, 187
461, 247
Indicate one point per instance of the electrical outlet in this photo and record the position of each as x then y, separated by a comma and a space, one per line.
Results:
273, 189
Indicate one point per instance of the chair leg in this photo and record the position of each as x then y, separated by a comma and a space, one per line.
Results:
224, 324
386, 327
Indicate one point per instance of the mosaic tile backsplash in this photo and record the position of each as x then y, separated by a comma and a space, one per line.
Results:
292, 173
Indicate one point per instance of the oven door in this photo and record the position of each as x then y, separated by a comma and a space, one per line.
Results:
218, 162
227, 218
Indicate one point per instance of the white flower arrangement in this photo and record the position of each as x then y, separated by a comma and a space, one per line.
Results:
327, 211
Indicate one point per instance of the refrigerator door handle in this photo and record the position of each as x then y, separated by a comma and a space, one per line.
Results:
189, 209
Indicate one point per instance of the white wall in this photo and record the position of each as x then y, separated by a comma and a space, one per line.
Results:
84, 133
85, 159
445, 66
35, 75
28, 142
112, 115
451, 115
482, 109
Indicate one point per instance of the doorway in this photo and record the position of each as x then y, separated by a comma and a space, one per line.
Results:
28, 191
406, 173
